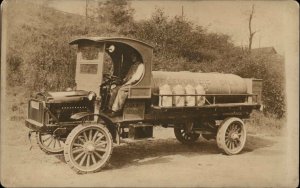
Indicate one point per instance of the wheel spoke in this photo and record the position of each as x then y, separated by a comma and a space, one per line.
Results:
95, 136
96, 153
82, 140
101, 144
59, 144
50, 142
235, 143
93, 158
78, 145
47, 138
88, 160
85, 136
82, 159
77, 150
90, 134
98, 139
101, 149
54, 143
238, 128
228, 143
232, 128
79, 155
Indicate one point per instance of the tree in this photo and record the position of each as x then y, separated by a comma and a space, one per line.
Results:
116, 12
251, 32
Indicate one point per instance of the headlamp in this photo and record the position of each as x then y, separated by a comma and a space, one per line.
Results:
111, 48
91, 95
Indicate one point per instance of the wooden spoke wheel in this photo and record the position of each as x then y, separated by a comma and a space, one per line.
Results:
184, 136
231, 137
49, 143
88, 148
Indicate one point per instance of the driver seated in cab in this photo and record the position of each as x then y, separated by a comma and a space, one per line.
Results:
120, 93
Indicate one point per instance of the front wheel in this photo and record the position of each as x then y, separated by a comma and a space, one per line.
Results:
88, 148
50, 144
231, 136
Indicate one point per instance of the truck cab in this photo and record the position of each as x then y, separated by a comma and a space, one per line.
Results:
109, 65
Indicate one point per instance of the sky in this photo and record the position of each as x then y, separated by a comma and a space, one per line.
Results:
228, 17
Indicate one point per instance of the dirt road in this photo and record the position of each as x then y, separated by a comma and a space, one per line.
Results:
162, 161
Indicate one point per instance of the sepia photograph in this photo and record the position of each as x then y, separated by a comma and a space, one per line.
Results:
149, 93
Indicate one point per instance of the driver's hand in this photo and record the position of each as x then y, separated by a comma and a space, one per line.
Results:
113, 86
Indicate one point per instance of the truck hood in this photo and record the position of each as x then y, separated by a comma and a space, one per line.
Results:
67, 96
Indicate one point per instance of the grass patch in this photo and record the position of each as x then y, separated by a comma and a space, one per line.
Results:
265, 124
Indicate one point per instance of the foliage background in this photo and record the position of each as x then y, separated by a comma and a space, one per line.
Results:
39, 55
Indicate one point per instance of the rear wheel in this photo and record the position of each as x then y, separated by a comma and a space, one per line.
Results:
231, 137
185, 136
88, 148
51, 144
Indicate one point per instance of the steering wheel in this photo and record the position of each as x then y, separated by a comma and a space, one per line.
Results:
106, 76
111, 79
109, 76
114, 77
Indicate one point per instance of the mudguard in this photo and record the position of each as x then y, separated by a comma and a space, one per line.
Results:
112, 127
101, 116
81, 115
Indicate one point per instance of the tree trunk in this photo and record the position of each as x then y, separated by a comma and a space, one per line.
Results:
251, 33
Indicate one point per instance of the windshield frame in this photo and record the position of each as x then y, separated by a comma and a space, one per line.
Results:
85, 80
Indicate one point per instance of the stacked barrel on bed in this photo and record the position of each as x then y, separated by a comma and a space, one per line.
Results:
197, 89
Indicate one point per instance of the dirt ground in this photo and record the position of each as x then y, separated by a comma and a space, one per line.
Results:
161, 161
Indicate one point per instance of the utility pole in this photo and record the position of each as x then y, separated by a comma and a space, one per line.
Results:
182, 12
86, 15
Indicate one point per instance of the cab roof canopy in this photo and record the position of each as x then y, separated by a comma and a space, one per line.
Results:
137, 44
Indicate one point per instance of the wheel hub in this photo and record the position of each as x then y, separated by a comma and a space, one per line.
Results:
89, 147
234, 136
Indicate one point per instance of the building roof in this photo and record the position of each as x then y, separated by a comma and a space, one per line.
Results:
264, 50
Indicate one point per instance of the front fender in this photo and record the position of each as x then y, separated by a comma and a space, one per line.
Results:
81, 115
112, 127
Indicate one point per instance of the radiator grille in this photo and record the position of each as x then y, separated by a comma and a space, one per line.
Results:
62, 111
36, 110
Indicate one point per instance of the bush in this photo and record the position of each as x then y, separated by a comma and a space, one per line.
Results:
266, 124
39, 55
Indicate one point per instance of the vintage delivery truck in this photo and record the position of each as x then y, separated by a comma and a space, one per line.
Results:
78, 123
